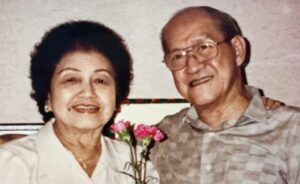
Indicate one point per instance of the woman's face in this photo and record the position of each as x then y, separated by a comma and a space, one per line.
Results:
83, 91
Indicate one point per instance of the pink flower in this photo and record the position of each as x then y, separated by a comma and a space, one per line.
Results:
158, 135
148, 131
120, 126
124, 131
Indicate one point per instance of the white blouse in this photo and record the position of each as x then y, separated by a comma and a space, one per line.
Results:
42, 159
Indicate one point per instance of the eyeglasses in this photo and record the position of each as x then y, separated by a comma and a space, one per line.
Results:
206, 50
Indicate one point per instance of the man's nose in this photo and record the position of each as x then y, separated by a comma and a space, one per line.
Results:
193, 62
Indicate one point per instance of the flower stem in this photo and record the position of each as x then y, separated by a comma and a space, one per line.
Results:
144, 168
133, 160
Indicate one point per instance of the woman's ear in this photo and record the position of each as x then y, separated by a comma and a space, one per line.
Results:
239, 44
48, 103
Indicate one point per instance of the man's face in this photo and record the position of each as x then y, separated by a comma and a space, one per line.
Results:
203, 82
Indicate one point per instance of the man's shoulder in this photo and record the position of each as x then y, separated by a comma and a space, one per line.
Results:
287, 117
173, 121
293, 109
286, 112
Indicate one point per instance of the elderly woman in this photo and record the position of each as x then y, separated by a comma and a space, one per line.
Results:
80, 71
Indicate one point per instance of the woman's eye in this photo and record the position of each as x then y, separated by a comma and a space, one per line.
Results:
72, 80
99, 81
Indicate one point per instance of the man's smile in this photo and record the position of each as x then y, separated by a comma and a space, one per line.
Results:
200, 81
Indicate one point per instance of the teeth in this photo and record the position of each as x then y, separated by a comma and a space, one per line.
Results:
200, 81
86, 107
206, 78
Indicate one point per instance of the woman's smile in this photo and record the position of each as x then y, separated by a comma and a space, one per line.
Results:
86, 109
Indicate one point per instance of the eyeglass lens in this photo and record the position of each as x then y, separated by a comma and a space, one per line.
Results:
204, 50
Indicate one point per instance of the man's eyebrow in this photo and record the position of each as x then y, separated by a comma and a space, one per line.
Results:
200, 38
192, 42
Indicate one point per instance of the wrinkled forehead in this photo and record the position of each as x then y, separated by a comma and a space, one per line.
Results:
187, 28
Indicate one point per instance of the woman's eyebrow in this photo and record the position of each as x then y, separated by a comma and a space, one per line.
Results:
104, 70
68, 69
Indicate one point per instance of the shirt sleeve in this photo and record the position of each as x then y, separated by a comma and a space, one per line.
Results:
13, 169
293, 164
293, 148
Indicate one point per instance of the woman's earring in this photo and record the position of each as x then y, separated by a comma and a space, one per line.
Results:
46, 108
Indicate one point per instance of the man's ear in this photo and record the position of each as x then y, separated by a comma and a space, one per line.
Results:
239, 44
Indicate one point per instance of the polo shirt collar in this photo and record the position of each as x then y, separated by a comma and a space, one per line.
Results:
254, 112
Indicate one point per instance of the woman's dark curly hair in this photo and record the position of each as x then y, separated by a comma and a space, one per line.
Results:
78, 36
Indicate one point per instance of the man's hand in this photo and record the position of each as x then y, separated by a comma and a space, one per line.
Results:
270, 103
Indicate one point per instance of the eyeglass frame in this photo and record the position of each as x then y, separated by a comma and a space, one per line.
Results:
185, 51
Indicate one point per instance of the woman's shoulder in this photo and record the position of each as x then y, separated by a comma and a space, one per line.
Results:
115, 145
18, 156
23, 148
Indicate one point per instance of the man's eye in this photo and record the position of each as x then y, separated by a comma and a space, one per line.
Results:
204, 46
178, 56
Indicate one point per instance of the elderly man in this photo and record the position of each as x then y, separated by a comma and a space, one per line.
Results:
226, 136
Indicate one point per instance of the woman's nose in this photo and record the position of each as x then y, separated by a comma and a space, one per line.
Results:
88, 90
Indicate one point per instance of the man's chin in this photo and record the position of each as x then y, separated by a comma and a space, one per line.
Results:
201, 101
